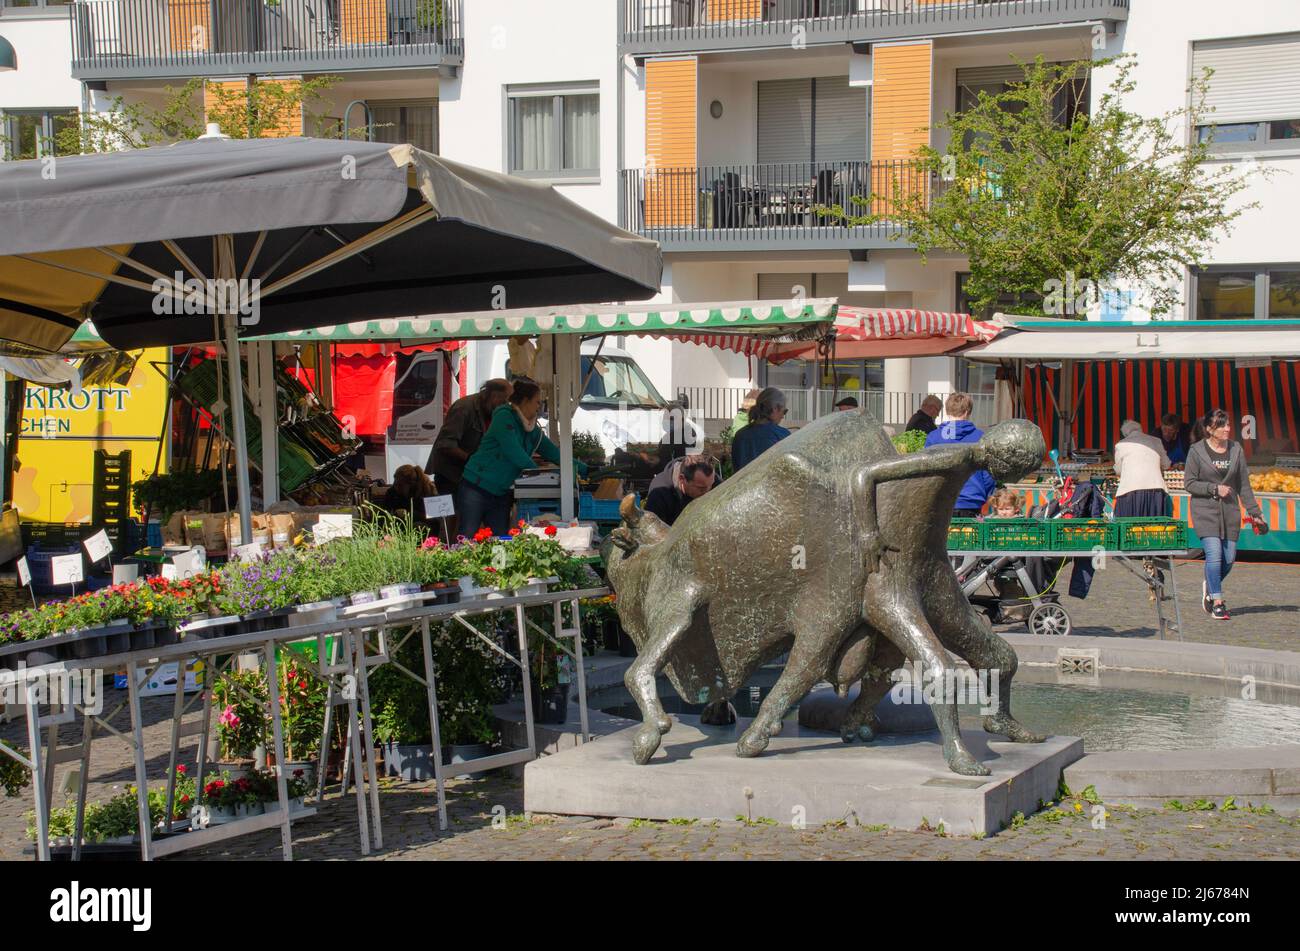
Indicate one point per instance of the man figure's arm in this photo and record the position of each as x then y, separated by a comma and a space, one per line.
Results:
931, 462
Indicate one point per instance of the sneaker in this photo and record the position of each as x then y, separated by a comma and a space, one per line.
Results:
1220, 612
1206, 603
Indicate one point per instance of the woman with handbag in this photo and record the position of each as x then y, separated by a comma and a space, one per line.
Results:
1219, 483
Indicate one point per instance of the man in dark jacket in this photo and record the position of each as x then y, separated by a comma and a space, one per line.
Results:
923, 419
694, 479
462, 431
959, 428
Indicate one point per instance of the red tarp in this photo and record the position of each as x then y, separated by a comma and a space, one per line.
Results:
872, 334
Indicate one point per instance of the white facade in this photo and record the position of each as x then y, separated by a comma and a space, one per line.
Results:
511, 45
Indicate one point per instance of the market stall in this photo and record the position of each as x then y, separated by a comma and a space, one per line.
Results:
1142, 371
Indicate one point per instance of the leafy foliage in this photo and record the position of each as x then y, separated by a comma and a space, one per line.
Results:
1040, 200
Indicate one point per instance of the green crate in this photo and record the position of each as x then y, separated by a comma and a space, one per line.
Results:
1083, 534
1151, 534
1015, 534
965, 534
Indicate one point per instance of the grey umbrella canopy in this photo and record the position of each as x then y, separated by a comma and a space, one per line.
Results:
222, 238
333, 232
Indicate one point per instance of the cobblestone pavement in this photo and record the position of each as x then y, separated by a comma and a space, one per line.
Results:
1266, 603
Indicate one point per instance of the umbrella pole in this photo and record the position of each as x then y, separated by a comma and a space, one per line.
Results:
236, 397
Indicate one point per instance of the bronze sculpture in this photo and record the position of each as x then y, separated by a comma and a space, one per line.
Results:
830, 546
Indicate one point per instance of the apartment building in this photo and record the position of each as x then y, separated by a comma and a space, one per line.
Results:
714, 126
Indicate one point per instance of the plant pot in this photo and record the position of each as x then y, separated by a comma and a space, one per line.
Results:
260, 621
202, 627
552, 704
273, 805
403, 590
317, 612
412, 762
220, 815
95, 641
464, 753
611, 633
164, 635
234, 770
363, 597
449, 593
246, 810
308, 770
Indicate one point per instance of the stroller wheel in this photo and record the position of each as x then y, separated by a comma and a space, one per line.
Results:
1049, 619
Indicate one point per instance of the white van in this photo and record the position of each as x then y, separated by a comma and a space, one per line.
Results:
619, 404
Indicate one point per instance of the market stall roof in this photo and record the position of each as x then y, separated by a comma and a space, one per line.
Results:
352, 230
744, 326
871, 333
1048, 339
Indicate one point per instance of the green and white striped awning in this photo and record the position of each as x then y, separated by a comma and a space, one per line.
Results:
743, 326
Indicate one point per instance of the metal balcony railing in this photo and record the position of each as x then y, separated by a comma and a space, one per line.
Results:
125, 39
737, 203
649, 25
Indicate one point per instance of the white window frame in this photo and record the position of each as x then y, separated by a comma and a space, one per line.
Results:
557, 91
414, 104
46, 134
1263, 285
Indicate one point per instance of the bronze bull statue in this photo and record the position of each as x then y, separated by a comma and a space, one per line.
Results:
831, 547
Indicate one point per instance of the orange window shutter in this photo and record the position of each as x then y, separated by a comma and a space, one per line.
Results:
188, 27
721, 10
363, 21
902, 93
671, 178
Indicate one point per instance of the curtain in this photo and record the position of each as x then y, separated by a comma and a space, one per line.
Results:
422, 127
582, 132
534, 133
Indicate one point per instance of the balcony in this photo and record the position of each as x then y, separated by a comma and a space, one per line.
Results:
765, 207
176, 39
697, 26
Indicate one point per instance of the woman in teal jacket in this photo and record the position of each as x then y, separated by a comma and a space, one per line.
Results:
484, 494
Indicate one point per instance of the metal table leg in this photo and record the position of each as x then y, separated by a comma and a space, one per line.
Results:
435, 728
33, 711
79, 826
277, 739
368, 747
141, 774
354, 744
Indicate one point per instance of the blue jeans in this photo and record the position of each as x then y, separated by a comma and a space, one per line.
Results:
475, 507
1220, 553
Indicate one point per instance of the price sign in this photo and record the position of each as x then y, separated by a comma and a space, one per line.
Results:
251, 552
98, 547
66, 569
332, 526
439, 506
125, 574
187, 564
24, 573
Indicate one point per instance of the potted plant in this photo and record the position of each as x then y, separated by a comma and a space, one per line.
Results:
587, 448
302, 715
240, 697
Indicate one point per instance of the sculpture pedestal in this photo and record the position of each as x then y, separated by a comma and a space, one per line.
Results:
897, 781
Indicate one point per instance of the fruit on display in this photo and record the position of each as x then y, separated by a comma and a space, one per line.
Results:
1276, 480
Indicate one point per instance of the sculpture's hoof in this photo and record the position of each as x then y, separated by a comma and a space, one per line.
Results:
718, 713
865, 731
752, 743
964, 764
645, 743
776, 728
1004, 724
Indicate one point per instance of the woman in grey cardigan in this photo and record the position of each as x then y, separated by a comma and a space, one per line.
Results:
1219, 483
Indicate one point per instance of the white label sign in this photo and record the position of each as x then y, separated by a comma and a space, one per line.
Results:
98, 547
251, 552
332, 526
439, 506
66, 569
125, 574
187, 564
24, 573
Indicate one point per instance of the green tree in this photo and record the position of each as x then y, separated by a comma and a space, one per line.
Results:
253, 112
1051, 204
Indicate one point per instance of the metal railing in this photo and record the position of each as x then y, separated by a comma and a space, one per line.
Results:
720, 404
733, 22
731, 201
182, 38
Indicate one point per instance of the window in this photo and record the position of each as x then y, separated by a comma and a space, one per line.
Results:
617, 380
1252, 92
29, 133
1248, 293
413, 121
1073, 99
554, 131
33, 6
811, 120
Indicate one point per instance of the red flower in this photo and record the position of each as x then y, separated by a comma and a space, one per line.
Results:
514, 532
552, 531
181, 769
490, 568
483, 534
302, 684
298, 774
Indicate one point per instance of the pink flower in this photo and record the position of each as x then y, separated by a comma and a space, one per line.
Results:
430, 542
228, 718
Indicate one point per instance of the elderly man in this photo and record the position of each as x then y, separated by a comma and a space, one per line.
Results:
462, 431
923, 419
690, 479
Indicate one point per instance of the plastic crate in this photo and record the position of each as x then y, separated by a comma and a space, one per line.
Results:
40, 564
529, 509
965, 534
600, 510
1083, 534
1151, 534
1016, 534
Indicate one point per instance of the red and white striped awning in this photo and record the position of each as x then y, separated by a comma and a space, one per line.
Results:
871, 333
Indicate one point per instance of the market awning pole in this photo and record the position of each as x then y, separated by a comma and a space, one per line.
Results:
568, 366
225, 247
268, 412
1062, 408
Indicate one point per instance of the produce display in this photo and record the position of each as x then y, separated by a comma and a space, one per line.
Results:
1276, 480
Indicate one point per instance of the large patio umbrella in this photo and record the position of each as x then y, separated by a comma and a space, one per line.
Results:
872, 334
221, 237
